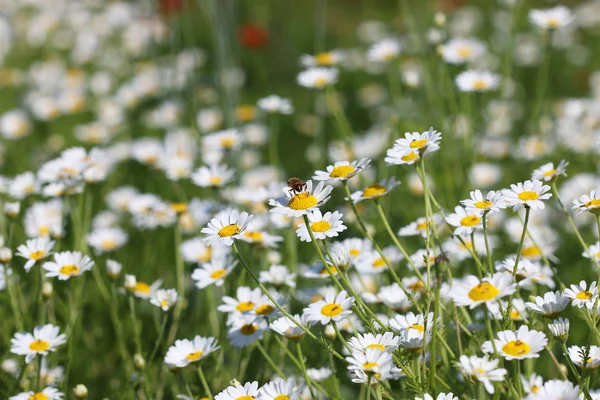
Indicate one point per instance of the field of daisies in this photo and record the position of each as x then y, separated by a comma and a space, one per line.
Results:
299, 200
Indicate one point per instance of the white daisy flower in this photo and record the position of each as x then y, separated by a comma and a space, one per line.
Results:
34, 250
247, 392
492, 202
371, 262
581, 295
185, 351
333, 308
302, 203
372, 360
317, 77
324, 59
23, 185
528, 194
551, 18
425, 142
577, 354
318, 374
533, 384
394, 298
68, 264
280, 389
285, 327
375, 191
214, 175
472, 291
245, 301
49, 393
482, 369
441, 396
246, 329
387, 342
594, 250
164, 298
517, 345
462, 50
342, 170
45, 339
548, 172
225, 227
412, 327
557, 390
278, 276
465, 221
550, 305
274, 104
560, 329
228, 139
588, 202
14, 124
213, 272
384, 50
107, 239
419, 227
322, 226
477, 81
141, 289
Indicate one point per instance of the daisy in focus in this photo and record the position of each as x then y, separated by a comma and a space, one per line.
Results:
225, 227
302, 201
483, 370
333, 308
588, 202
68, 264
45, 339
548, 172
322, 226
492, 202
342, 170
34, 250
528, 194
464, 221
471, 291
517, 345
375, 191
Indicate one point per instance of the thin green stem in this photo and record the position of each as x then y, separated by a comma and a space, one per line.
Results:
161, 333
302, 366
514, 272
340, 337
488, 252
204, 382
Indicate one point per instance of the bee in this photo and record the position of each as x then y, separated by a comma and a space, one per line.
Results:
295, 186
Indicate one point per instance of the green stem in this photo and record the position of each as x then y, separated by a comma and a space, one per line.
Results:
340, 337
487, 244
270, 360
161, 333
204, 382
303, 369
514, 273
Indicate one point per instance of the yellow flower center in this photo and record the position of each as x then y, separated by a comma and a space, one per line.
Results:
550, 172
282, 397
515, 314
370, 365
531, 251
418, 143
553, 23
416, 286
255, 236
535, 389
320, 82
245, 306
69, 270
109, 244
331, 310
528, 196
376, 346
483, 204
229, 230
164, 303
218, 273
39, 345
378, 263
341, 172
324, 59
245, 113
142, 287
593, 203
410, 156
516, 348
465, 52
374, 191
302, 201
264, 309
417, 327
44, 230
320, 226
485, 291
471, 220
480, 85
36, 255
356, 253
248, 329
421, 226
194, 356
179, 207
331, 268
227, 143
38, 396
584, 295
215, 180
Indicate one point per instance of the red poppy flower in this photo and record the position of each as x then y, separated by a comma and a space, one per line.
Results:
253, 36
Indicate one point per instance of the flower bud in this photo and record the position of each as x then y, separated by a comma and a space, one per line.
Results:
330, 331
5, 255
130, 282
11, 209
440, 19
80, 391
113, 270
47, 290
139, 362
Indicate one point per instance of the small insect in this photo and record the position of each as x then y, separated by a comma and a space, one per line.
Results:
295, 186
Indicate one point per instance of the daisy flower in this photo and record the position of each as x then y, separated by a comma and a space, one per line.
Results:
492, 202
528, 194
419, 227
581, 294
213, 272
317, 77
324, 59
384, 50
462, 50
517, 345
372, 361
164, 298
278, 276
387, 342
322, 226
214, 175
68, 264
441, 396
550, 305
412, 322
318, 374
34, 250
333, 308
225, 227
247, 392
49, 393
371, 262
533, 384
228, 139
588, 202
245, 330
342, 170
560, 329
45, 339
464, 221
482, 369
557, 390
141, 289
472, 291
285, 327
280, 389
577, 354
245, 301
401, 156
551, 18
425, 142
299, 204
548, 172
477, 81
594, 250
375, 191
107, 239
185, 351
274, 104
393, 297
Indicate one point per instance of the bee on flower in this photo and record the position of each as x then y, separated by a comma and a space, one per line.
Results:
302, 201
